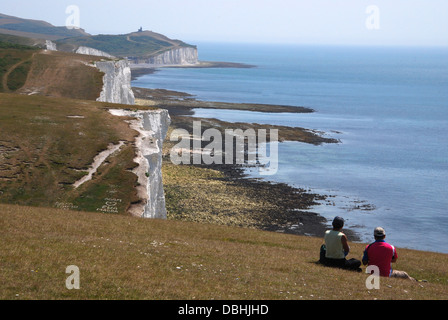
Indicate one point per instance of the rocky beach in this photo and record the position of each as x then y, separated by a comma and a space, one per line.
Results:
223, 193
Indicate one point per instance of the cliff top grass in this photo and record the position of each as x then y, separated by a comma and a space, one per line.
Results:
136, 44
122, 257
28, 70
20, 42
61, 74
35, 29
48, 143
15, 63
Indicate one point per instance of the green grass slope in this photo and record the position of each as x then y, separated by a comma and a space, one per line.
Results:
121, 257
46, 144
35, 29
9, 40
29, 70
15, 64
61, 74
137, 44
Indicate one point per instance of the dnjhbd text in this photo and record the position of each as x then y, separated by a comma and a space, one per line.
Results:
247, 310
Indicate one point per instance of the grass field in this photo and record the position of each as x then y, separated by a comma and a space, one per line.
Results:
137, 44
46, 144
122, 257
35, 29
67, 75
15, 63
31, 71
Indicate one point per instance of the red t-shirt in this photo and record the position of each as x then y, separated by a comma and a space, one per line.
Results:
380, 254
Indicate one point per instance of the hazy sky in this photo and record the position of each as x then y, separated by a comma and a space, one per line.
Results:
362, 22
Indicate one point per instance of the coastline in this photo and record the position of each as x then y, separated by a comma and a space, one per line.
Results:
145, 69
262, 204
214, 64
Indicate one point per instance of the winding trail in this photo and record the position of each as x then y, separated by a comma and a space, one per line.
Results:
97, 161
6, 75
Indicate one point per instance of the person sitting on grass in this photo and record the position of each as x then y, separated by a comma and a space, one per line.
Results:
382, 254
337, 248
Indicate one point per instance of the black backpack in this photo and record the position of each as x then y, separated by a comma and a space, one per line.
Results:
323, 251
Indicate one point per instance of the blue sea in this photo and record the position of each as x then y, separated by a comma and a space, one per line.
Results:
387, 105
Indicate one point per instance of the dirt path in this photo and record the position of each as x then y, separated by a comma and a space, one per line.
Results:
6, 75
97, 162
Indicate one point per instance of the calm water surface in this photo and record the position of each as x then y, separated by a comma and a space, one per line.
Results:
388, 107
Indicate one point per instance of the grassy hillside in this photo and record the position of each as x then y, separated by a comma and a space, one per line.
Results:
28, 70
61, 74
137, 44
15, 64
121, 257
48, 143
35, 29
8, 41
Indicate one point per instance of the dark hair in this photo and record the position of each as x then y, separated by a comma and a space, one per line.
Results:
338, 222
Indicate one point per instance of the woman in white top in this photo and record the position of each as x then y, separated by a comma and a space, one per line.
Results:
337, 248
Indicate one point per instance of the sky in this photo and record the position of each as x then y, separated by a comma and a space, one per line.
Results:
320, 22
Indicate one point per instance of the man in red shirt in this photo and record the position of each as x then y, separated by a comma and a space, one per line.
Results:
382, 254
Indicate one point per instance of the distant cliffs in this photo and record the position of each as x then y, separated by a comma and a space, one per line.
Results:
143, 49
174, 57
117, 75
93, 52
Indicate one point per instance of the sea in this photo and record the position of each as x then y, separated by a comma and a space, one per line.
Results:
388, 107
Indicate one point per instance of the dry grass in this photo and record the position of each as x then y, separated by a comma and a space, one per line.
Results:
61, 74
122, 257
14, 67
44, 150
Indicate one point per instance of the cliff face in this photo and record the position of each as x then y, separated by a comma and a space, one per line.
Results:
51, 46
156, 123
174, 57
152, 127
116, 82
93, 52
117, 75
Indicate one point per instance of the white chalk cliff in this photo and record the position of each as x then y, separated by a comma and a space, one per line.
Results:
175, 57
117, 75
152, 126
50, 45
116, 82
93, 52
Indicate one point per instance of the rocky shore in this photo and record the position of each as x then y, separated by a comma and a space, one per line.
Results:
223, 193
